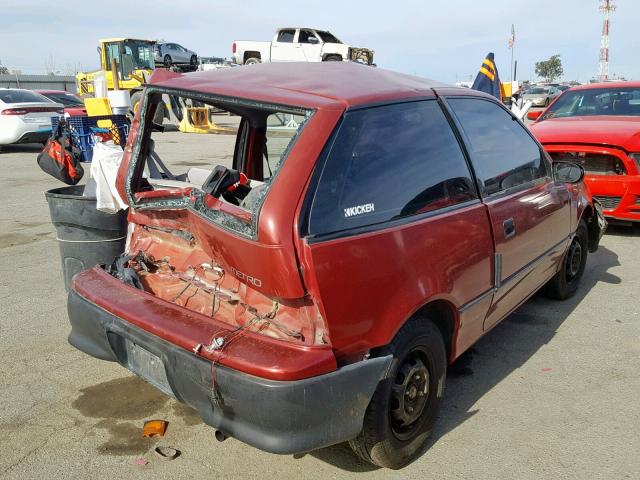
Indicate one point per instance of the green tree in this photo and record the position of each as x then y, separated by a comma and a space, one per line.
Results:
550, 69
3, 70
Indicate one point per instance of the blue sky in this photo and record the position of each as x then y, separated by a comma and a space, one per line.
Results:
444, 40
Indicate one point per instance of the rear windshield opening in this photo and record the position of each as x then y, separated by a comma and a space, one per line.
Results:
204, 153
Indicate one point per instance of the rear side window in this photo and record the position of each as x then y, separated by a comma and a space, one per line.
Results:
387, 163
286, 36
19, 96
504, 154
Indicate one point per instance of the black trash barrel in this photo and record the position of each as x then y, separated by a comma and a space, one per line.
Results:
86, 236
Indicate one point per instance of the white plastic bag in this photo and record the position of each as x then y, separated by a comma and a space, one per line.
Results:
104, 170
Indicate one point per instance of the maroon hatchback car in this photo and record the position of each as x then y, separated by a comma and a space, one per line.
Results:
369, 228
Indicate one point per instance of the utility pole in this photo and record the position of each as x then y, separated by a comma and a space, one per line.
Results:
606, 7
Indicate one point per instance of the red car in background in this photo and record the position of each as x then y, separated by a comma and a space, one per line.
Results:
73, 105
598, 126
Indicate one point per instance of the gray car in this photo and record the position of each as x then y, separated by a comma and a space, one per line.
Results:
174, 54
541, 96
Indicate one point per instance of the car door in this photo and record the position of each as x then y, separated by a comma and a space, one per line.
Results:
529, 212
311, 45
395, 221
183, 53
286, 48
169, 49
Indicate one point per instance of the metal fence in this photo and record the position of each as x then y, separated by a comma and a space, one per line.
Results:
39, 82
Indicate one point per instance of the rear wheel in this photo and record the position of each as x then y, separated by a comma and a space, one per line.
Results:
167, 61
193, 61
403, 409
333, 58
252, 61
565, 283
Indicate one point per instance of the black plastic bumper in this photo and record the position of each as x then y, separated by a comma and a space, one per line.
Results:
35, 137
276, 416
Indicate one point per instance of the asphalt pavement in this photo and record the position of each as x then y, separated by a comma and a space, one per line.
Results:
553, 392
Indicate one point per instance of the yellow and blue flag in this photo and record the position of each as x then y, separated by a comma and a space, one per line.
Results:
488, 80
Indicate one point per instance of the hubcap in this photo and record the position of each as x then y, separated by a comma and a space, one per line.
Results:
409, 395
574, 259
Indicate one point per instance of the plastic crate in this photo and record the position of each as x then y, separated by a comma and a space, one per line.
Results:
83, 129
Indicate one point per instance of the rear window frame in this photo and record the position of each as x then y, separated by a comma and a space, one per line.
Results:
303, 229
227, 222
42, 98
484, 195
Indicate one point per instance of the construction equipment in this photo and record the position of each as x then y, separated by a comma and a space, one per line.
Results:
134, 62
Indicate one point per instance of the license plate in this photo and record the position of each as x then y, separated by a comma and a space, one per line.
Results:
148, 366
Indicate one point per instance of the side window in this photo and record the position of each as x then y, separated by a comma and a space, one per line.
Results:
387, 163
504, 154
286, 36
305, 36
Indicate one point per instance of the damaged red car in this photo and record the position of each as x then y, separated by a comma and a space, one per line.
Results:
598, 127
368, 228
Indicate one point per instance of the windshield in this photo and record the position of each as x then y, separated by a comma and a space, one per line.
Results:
66, 99
327, 37
19, 96
538, 91
596, 101
137, 55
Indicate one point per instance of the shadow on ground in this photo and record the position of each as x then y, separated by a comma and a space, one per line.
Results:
21, 148
503, 350
506, 348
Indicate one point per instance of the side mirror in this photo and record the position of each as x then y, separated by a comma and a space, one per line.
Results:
534, 114
313, 40
566, 172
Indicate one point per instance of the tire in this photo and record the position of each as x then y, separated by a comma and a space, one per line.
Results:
252, 61
167, 61
333, 58
193, 61
399, 420
546, 102
136, 98
564, 283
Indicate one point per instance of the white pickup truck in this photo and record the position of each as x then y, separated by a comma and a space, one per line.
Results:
299, 45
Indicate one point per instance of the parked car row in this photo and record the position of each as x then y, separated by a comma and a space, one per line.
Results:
25, 115
598, 126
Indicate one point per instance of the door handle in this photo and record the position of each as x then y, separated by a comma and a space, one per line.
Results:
509, 228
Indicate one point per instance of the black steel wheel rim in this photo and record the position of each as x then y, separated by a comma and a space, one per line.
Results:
409, 395
574, 259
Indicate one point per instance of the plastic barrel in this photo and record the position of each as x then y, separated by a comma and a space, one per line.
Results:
86, 236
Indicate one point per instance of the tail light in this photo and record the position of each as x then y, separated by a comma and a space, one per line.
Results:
24, 111
233, 48
14, 111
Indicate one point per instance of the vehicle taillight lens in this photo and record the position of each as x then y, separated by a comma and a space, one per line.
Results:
24, 111
233, 48
14, 111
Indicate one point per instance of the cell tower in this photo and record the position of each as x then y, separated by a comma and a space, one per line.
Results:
606, 7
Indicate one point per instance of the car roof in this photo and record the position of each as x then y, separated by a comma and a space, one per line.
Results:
307, 84
589, 86
54, 91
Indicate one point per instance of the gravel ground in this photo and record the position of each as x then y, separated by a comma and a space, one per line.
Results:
551, 393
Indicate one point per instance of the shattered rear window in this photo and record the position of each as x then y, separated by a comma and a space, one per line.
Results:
194, 146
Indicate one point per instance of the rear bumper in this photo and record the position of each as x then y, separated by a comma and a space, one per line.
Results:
39, 136
276, 416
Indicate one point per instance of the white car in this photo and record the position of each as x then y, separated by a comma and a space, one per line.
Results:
25, 116
299, 45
